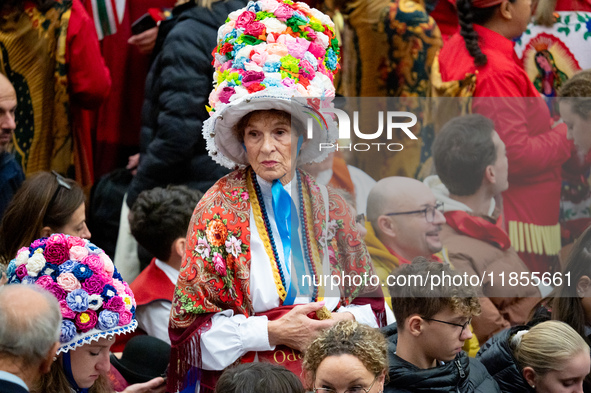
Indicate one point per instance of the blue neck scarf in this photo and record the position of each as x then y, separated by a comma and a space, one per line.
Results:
69, 376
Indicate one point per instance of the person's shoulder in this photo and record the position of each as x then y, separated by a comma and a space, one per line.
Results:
480, 379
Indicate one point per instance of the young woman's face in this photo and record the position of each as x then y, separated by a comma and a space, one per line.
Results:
567, 380
90, 361
579, 129
332, 375
77, 224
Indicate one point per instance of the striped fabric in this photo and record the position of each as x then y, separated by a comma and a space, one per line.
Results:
107, 15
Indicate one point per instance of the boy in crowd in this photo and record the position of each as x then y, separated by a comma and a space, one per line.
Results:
159, 220
471, 162
433, 318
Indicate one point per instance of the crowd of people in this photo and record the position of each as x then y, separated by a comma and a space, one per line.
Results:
248, 258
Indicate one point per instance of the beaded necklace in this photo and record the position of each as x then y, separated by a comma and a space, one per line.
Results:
264, 228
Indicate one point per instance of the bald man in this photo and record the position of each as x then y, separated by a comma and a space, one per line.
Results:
11, 173
403, 222
29, 335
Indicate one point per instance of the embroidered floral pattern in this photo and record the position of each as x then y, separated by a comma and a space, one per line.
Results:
215, 278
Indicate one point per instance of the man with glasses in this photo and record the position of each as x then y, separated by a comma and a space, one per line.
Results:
425, 346
474, 236
403, 222
11, 173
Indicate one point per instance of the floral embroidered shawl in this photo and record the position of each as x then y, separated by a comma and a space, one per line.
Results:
215, 273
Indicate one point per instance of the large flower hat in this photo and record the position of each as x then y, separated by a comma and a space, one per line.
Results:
95, 301
269, 53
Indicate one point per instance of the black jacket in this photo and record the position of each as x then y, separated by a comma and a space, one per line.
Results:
463, 375
172, 148
497, 357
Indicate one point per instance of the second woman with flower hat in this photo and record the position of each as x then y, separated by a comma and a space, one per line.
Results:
96, 306
258, 231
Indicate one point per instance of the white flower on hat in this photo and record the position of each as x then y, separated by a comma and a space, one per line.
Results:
322, 39
35, 264
269, 5
274, 26
22, 257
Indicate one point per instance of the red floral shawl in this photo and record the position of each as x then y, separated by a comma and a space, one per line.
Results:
212, 280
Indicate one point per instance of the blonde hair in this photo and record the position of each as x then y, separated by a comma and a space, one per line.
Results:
544, 12
577, 91
349, 338
547, 346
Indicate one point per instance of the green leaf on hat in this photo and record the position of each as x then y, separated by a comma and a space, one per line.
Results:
264, 15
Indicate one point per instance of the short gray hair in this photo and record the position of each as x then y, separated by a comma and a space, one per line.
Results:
28, 333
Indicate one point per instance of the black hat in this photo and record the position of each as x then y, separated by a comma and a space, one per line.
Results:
144, 358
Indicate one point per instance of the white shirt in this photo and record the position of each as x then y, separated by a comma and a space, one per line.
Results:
153, 318
231, 336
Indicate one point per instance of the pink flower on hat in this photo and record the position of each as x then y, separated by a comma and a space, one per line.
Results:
75, 241
78, 253
125, 318
298, 48
306, 70
226, 93
68, 282
108, 264
57, 238
66, 311
255, 29
250, 77
245, 19
94, 263
56, 252
269, 5
86, 320
283, 13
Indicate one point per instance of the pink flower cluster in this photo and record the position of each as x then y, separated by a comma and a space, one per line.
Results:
275, 44
91, 293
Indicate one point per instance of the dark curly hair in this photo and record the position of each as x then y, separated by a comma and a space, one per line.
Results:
160, 216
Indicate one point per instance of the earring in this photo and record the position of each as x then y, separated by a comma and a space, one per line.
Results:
54, 358
581, 294
533, 386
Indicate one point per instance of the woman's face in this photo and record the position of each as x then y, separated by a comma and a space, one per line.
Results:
267, 140
579, 129
77, 224
90, 361
567, 380
332, 375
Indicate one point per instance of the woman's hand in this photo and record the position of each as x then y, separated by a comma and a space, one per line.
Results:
155, 385
296, 330
145, 41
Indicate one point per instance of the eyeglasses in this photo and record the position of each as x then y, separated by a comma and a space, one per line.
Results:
360, 219
429, 212
463, 326
356, 389
61, 182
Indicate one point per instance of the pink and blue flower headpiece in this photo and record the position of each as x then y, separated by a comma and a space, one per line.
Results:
95, 301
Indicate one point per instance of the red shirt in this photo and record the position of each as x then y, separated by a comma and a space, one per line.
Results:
534, 149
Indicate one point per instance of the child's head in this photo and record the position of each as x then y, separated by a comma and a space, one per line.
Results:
258, 378
434, 305
161, 216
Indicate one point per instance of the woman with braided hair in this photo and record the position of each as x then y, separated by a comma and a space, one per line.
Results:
504, 93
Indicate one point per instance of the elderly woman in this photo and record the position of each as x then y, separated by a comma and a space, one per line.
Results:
247, 288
